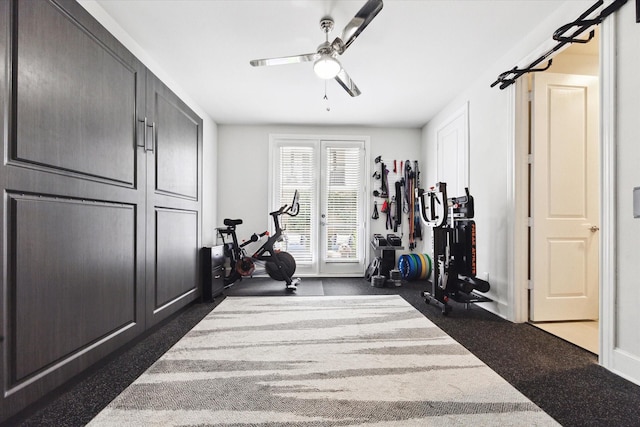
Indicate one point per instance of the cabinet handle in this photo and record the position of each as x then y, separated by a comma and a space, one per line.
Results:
144, 134
153, 137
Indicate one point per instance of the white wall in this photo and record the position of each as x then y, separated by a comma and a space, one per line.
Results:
209, 131
626, 341
243, 166
491, 177
491, 134
566, 63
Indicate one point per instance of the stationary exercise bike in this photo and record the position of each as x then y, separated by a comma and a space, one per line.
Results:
454, 248
279, 265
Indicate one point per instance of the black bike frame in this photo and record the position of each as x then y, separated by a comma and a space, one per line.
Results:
266, 252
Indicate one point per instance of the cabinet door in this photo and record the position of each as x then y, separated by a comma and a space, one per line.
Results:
5, 326
5, 49
174, 158
74, 197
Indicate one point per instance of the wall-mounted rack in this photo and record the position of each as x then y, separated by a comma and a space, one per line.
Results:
568, 33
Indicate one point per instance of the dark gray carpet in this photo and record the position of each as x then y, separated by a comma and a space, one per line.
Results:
563, 380
265, 286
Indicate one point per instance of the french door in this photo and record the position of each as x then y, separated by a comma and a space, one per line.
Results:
327, 237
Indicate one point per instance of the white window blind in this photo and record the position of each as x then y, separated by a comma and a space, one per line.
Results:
297, 173
343, 201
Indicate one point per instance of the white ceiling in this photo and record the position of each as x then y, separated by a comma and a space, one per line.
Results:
412, 59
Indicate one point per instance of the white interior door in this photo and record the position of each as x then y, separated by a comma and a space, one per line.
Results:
565, 198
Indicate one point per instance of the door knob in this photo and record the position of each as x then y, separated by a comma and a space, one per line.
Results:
594, 228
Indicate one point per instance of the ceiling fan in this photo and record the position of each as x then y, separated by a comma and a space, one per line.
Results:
326, 65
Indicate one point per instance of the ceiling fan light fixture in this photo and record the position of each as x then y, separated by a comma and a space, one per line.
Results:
327, 67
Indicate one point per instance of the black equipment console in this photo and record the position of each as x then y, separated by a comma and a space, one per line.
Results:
454, 248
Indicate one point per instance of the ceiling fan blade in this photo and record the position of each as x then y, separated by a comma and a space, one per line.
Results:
357, 24
348, 84
285, 60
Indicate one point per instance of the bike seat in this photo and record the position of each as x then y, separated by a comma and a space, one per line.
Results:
232, 222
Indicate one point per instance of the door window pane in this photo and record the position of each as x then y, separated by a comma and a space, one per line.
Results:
343, 199
296, 173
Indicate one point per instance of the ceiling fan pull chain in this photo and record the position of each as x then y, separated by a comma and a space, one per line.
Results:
325, 98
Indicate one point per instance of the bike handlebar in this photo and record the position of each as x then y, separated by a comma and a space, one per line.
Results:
279, 211
289, 210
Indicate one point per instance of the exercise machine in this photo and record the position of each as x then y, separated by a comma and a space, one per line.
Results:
454, 247
279, 265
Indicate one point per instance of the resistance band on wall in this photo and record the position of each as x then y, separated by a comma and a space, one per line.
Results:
398, 206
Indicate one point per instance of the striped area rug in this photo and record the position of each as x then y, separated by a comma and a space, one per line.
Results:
319, 361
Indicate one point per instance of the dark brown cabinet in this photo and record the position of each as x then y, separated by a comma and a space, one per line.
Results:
102, 197
76, 97
174, 150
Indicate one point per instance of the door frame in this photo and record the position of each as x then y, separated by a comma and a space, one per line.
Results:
518, 194
317, 138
